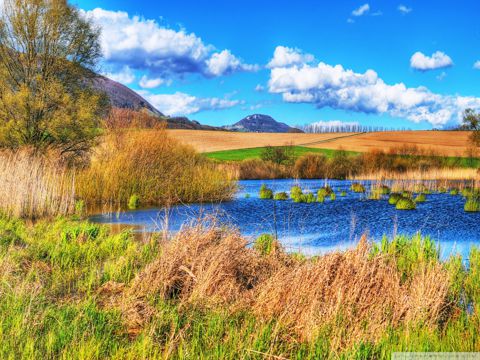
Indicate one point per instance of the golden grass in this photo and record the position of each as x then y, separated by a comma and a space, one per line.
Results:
431, 174
208, 141
33, 186
153, 166
356, 294
446, 143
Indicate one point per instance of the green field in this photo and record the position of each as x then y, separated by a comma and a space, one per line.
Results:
255, 153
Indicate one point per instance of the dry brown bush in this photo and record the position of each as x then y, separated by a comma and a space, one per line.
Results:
353, 294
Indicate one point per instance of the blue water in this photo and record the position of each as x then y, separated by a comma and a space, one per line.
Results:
318, 228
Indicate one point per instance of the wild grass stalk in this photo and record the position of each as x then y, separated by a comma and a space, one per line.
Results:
35, 185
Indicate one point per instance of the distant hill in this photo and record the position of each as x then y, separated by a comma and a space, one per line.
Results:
122, 97
261, 123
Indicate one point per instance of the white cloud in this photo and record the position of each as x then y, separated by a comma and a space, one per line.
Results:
259, 88
476, 65
404, 9
146, 45
285, 56
225, 63
147, 83
362, 10
438, 60
336, 87
179, 104
124, 76
350, 21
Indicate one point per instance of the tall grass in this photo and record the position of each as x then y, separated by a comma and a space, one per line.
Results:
35, 185
70, 289
154, 167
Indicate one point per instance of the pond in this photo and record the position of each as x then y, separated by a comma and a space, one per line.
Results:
317, 228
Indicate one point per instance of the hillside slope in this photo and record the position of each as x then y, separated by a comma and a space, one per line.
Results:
261, 123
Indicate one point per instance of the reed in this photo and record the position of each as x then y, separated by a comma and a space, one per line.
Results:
154, 167
35, 185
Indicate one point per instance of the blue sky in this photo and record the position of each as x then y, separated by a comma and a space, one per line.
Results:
387, 63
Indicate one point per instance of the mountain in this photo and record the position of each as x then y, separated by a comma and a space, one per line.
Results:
261, 123
124, 98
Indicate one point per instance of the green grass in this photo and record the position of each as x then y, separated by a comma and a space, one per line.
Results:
255, 153
50, 308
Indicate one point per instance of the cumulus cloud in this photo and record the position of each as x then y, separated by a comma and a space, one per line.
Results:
259, 88
179, 104
285, 56
124, 76
362, 10
145, 44
148, 83
476, 65
225, 62
404, 9
336, 87
438, 60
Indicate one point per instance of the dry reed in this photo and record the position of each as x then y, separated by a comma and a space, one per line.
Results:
33, 186
430, 174
354, 294
156, 168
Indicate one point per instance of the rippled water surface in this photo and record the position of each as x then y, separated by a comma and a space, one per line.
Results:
319, 227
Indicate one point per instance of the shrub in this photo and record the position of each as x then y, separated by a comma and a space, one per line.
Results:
311, 166
333, 196
405, 203
393, 199
357, 188
454, 192
265, 193
282, 196
472, 204
278, 155
254, 169
343, 193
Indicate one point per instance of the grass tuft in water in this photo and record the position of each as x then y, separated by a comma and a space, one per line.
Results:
357, 188
421, 198
405, 203
265, 193
133, 202
282, 196
472, 204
